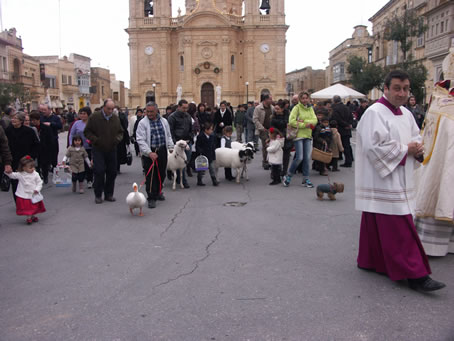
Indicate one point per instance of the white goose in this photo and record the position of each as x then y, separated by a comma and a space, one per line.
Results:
136, 199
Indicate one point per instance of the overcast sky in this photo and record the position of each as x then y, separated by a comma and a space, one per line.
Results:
95, 28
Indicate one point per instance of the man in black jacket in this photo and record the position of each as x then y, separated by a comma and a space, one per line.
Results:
46, 140
180, 123
343, 117
5, 153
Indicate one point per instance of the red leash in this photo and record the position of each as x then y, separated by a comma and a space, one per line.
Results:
151, 181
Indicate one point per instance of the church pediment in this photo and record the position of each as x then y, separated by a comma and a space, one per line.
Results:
207, 43
206, 19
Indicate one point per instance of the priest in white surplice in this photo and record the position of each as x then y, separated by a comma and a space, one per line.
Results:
388, 147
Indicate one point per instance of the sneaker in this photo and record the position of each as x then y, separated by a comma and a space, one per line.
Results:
35, 219
151, 203
89, 184
286, 181
307, 183
29, 221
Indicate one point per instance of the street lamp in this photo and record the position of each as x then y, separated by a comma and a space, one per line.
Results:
423, 89
154, 92
247, 92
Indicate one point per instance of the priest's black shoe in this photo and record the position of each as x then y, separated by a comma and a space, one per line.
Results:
425, 284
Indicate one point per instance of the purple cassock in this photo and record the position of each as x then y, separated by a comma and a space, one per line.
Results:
389, 244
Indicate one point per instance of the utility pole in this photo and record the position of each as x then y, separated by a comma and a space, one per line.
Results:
1, 16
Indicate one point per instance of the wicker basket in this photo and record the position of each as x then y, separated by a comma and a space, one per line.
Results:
320, 155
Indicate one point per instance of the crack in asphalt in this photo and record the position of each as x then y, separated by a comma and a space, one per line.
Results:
248, 191
172, 221
196, 265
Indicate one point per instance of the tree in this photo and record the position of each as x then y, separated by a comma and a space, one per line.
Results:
403, 29
9, 93
418, 75
365, 76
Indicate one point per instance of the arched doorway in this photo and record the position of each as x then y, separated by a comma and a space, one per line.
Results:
150, 97
207, 94
264, 92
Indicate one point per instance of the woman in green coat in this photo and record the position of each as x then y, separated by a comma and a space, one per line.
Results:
303, 118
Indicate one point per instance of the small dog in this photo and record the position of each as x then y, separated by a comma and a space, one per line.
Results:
331, 190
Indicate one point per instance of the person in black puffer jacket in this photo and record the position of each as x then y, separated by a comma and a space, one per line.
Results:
22, 141
180, 123
344, 119
279, 121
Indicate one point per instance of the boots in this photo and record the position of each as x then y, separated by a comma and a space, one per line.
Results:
215, 182
74, 186
81, 187
199, 180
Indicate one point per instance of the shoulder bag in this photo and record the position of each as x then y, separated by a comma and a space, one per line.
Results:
292, 132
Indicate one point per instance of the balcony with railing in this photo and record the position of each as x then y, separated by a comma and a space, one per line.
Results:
179, 21
21, 79
69, 88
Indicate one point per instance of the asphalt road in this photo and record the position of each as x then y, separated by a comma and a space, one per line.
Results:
281, 267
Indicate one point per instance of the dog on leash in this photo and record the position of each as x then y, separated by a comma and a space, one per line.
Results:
330, 189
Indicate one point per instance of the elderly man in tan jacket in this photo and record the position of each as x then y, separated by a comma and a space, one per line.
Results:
262, 121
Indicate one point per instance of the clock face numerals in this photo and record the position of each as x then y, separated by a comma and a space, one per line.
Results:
149, 50
265, 48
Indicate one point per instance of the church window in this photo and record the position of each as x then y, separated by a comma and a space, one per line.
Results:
232, 62
181, 63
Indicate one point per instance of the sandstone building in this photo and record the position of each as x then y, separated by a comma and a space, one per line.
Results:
360, 45
440, 35
305, 79
100, 86
226, 49
17, 67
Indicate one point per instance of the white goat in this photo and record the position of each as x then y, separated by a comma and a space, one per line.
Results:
232, 158
176, 160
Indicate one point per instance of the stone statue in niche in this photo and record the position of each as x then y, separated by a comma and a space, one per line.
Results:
218, 95
179, 92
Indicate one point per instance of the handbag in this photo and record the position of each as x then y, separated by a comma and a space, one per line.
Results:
292, 132
37, 197
321, 155
128, 157
5, 183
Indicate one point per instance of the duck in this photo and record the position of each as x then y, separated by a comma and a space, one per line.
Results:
136, 199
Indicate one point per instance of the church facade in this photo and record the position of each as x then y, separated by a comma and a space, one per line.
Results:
220, 49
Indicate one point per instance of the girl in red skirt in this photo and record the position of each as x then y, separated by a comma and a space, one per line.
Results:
28, 194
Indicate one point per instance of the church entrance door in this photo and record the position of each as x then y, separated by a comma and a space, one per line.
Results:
207, 94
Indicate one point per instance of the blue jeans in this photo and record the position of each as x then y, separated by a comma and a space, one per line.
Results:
303, 149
